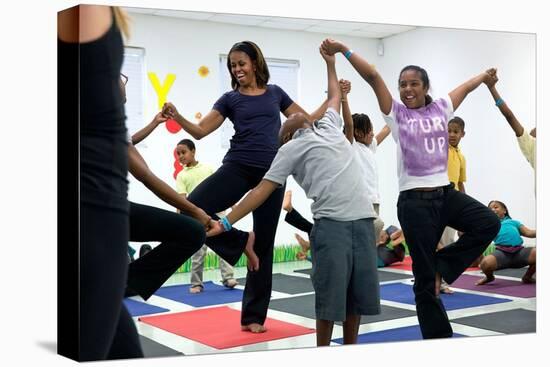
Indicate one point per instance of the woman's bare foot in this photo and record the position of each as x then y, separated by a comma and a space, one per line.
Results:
254, 328
253, 263
287, 201
487, 279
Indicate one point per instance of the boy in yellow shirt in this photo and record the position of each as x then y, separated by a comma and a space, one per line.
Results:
192, 174
456, 169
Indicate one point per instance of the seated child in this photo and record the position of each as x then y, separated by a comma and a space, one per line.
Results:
390, 246
509, 251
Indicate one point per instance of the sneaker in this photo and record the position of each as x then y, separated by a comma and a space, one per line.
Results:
230, 283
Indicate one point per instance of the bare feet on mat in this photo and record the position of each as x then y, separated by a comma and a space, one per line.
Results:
528, 280
195, 289
230, 283
446, 290
487, 279
287, 201
253, 263
254, 328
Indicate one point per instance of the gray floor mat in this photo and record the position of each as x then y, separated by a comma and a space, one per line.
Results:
305, 306
153, 349
508, 322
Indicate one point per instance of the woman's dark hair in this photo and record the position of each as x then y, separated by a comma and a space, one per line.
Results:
255, 54
361, 122
501, 204
188, 143
423, 77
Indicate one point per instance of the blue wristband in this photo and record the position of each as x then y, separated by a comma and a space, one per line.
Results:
348, 53
225, 223
499, 102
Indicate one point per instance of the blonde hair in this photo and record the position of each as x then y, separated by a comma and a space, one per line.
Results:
122, 20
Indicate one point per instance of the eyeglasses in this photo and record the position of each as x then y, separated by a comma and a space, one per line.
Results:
123, 78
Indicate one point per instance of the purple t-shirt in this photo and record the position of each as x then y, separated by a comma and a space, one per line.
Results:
422, 143
256, 120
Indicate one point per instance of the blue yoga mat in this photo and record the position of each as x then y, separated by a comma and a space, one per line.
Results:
403, 293
212, 294
391, 335
137, 308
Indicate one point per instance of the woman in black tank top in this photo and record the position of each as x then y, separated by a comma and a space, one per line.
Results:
91, 112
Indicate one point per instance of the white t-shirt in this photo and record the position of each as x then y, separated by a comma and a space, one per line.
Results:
367, 160
323, 163
422, 142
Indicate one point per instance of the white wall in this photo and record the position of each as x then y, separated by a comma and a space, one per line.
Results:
181, 46
496, 168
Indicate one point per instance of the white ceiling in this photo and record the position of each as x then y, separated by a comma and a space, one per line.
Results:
354, 29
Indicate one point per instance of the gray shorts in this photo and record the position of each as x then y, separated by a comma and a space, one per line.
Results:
512, 260
344, 272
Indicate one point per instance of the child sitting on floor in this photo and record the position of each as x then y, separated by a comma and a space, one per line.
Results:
509, 251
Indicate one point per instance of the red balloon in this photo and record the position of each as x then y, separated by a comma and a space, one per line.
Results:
177, 165
172, 126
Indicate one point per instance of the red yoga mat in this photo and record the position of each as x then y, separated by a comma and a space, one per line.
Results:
406, 264
220, 327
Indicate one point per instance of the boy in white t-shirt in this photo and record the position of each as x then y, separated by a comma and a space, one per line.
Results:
322, 162
359, 131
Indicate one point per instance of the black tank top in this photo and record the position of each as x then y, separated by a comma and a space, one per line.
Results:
89, 98
89, 75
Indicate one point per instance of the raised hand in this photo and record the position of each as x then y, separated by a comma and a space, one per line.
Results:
345, 86
329, 58
159, 118
330, 46
169, 110
490, 77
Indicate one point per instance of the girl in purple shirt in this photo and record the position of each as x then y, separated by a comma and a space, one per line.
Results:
427, 201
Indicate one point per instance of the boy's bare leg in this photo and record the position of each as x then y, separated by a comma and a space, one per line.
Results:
488, 265
253, 263
351, 328
324, 332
